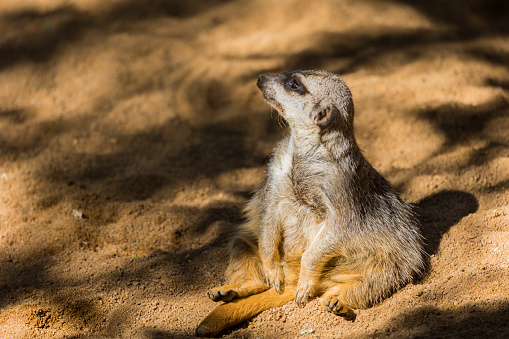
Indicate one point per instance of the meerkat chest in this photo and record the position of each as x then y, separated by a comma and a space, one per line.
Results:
296, 193
309, 183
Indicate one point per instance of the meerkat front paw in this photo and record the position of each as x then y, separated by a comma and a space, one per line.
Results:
274, 278
305, 292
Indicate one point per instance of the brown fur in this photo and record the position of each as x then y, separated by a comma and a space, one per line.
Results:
324, 223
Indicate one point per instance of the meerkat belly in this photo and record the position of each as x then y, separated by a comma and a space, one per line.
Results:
298, 205
300, 224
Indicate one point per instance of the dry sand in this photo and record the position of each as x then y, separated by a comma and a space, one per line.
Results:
132, 133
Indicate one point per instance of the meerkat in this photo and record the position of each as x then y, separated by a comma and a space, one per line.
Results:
324, 223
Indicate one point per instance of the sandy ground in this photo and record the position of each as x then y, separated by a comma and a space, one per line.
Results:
132, 133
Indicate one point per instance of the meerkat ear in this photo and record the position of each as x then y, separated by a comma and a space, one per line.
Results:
324, 115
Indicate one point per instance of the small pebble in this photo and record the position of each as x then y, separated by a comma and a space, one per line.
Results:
77, 214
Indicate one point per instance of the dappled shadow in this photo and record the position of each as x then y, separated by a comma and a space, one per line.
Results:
37, 35
467, 321
460, 123
15, 116
352, 51
498, 83
28, 139
440, 211
31, 269
169, 273
501, 186
129, 171
179, 153
161, 334
41, 35
464, 124
383, 50
464, 15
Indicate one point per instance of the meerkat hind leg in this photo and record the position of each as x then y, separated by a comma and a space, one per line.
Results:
334, 305
339, 285
244, 272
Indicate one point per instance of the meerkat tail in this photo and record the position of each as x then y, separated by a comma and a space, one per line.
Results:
239, 310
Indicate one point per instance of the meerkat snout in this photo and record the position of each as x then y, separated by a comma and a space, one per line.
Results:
261, 80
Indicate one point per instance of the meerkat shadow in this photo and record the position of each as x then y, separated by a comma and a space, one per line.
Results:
440, 211
350, 316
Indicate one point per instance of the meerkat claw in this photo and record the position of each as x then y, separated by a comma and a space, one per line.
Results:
277, 288
301, 299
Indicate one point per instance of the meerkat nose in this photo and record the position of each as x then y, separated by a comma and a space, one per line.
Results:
261, 80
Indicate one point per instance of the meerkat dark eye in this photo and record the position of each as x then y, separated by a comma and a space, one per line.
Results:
294, 84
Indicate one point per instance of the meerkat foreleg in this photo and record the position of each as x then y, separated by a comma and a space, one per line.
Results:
270, 239
321, 250
336, 286
245, 270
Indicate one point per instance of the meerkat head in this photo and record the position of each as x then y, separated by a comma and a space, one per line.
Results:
309, 99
